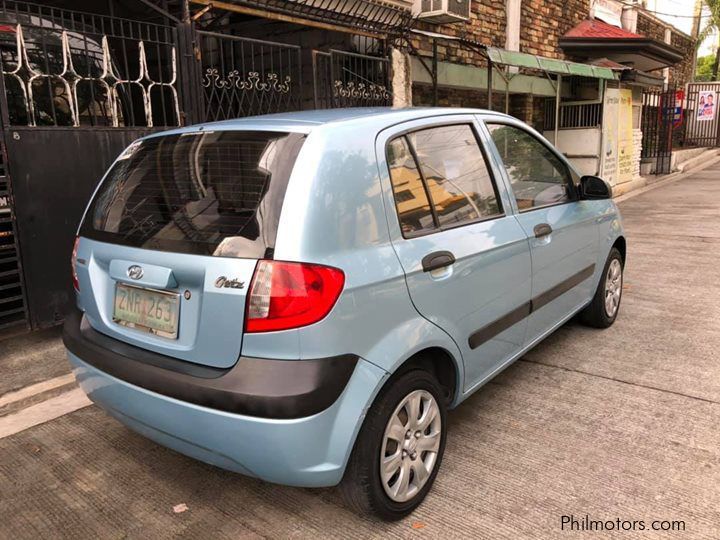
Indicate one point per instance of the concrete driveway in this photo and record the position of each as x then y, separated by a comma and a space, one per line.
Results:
622, 423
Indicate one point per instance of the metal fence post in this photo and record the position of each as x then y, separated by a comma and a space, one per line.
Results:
489, 84
189, 76
435, 72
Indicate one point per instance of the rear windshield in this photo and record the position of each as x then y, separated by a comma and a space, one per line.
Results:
212, 193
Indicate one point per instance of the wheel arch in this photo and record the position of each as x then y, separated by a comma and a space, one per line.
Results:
438, 361
621, 245
436, 352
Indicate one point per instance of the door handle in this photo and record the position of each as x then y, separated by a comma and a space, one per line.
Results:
541, 230
437, 259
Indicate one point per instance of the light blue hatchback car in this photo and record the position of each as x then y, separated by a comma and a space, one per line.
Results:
301, 297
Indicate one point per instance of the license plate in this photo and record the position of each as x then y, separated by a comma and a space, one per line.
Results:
149, 310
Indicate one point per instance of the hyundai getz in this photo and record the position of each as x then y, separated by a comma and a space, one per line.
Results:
302, 297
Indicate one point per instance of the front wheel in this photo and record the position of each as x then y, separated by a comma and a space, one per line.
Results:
399, 448
605, 305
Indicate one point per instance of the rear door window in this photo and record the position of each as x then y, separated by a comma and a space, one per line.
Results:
456, 174
212, 193
411, 198
440, 179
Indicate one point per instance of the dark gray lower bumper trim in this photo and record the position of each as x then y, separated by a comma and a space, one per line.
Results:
259, 387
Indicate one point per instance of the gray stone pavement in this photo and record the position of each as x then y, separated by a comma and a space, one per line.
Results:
30, 359
622, 423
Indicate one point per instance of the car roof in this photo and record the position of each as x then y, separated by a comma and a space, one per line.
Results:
306, 121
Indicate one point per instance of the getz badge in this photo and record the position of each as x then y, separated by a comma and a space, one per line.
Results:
224, 283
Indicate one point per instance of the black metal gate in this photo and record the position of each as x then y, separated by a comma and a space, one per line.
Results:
13, 301
702, 121
658, 119
346, 79
246, 77
76, 88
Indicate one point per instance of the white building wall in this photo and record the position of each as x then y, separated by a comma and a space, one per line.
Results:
581, 146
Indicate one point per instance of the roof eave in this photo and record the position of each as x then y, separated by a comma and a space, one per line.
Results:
641, 78
657, 49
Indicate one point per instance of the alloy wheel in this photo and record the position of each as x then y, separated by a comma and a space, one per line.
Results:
410, 445
613, 288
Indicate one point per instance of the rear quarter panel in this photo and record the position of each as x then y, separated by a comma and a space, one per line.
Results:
334, 214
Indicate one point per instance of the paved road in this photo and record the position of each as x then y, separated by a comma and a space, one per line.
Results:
622, 423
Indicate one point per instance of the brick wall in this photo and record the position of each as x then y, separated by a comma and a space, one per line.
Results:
543, 23
682, 72
486, 26
456, 97
655, 29
649, 27
525, 107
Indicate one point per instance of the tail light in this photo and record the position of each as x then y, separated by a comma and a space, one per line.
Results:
285, 295
73, 262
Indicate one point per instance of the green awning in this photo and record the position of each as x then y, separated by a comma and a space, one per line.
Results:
550, 65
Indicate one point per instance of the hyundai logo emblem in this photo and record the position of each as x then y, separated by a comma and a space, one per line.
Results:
135, 271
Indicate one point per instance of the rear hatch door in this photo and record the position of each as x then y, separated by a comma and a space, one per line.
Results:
171, 239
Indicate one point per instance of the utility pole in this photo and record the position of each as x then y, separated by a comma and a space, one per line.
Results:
696, 25
695, 33
697, 12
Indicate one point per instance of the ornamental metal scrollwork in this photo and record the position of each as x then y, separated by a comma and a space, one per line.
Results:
277, 86
360, 91
253, 82
211, 78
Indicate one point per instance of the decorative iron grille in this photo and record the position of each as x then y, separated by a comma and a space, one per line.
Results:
345, 79
576, 115
245, 77
63, 68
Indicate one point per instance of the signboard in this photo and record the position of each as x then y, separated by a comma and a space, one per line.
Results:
617, 140
706, 105
609, 135
626, 153
678, 112
609, 11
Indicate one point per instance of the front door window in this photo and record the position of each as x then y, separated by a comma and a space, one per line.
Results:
538, 177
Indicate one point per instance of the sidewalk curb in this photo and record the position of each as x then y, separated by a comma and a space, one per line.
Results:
668, 179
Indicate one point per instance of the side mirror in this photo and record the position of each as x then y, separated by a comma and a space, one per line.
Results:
594, 187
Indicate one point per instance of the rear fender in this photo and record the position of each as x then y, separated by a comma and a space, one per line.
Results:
414, 335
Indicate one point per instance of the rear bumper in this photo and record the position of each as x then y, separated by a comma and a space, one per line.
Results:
253, 386
307, 451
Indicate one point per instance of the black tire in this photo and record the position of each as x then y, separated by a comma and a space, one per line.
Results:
595, 314
362, 487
